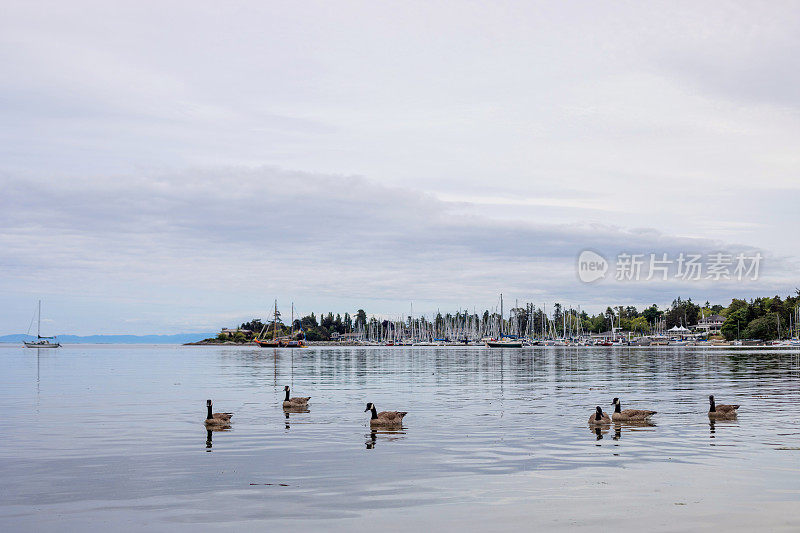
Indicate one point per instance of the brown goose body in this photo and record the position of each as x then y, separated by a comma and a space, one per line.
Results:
630, 415
385, 418
599, 418
217, 419
301, 401
721, 411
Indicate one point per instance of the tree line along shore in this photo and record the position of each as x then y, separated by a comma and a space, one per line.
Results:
763, 318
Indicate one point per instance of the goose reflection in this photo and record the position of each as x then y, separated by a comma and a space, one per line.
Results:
210, 438
631, 426
294, 410
599, 431
385, 434
714, 424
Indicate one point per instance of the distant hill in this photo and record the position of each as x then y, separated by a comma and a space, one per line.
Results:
179, 338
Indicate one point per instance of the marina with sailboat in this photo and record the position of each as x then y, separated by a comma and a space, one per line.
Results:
524, 325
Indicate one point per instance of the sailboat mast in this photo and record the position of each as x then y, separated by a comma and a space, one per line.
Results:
501, 314
39, 323
275, 322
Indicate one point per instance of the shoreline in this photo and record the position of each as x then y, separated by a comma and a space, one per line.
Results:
312, 344
214, 342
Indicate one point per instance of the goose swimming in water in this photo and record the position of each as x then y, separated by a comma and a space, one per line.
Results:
599, 417
385, 418
629, 415
217, 419
294, 402
721, 411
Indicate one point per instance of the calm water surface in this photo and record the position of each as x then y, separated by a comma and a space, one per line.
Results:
112, 437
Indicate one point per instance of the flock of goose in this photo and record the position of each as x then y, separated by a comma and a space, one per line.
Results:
394, 419
383, 419
599, 417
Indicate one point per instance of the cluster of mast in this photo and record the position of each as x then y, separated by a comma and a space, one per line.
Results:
529, 322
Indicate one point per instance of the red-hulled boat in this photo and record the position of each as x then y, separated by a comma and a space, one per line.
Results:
283, 342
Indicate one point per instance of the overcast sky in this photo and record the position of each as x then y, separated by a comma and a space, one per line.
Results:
177, 166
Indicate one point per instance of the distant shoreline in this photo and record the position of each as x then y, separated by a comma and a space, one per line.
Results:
176, 338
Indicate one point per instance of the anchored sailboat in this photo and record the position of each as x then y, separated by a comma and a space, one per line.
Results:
276, 342
41, 342
505, 341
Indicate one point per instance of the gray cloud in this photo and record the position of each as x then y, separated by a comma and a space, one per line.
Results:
339, 241
498, 141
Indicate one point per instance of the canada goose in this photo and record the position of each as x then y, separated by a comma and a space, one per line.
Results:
721, 412
599, 417
385, 418
217, 419
629, 415
294, 402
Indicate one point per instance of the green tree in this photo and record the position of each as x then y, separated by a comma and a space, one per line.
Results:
682, 313
735, 323
254, 325
735, 306
639, 324
309, 322
316, 335
765, 328
557, 315
361, 319
652, 314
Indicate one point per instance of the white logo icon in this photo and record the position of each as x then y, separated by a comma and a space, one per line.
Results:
591, 266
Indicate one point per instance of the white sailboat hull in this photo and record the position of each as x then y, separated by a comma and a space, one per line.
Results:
42, 345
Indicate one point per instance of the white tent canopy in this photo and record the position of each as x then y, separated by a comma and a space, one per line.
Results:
678, 329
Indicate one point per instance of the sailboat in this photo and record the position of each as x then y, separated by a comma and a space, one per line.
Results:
275, 342
41, 342
291, 342
505, 341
